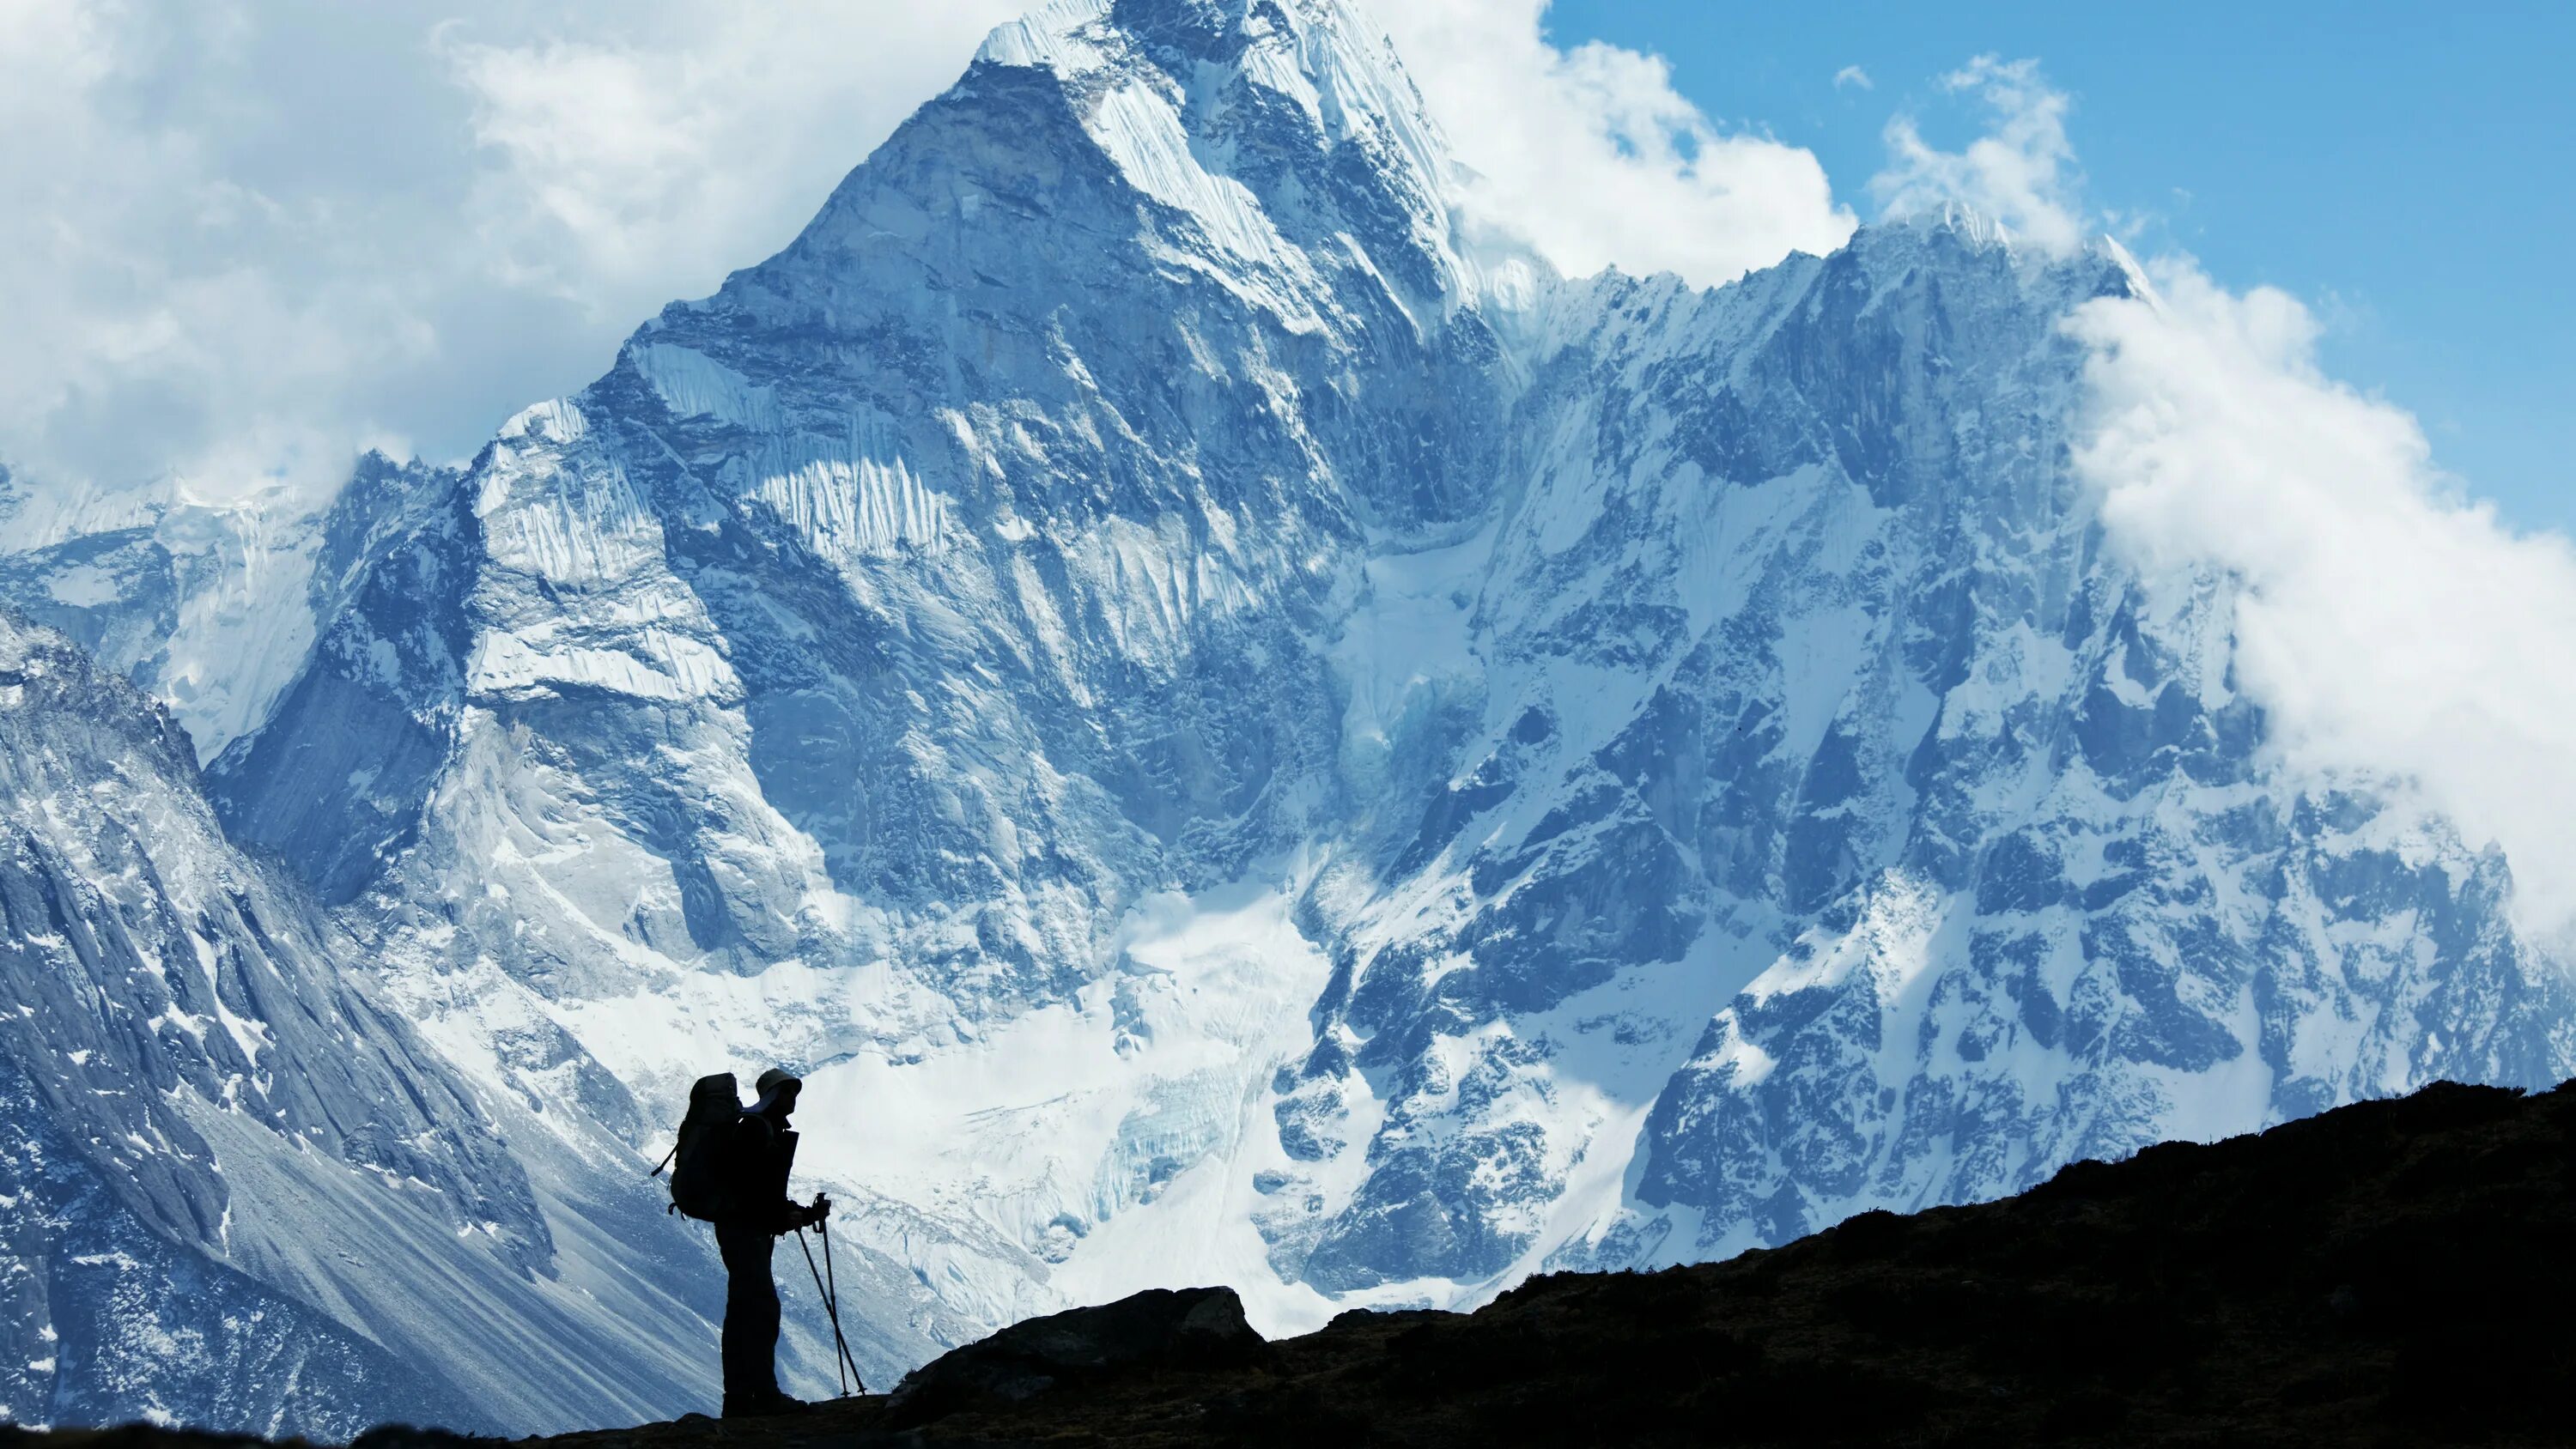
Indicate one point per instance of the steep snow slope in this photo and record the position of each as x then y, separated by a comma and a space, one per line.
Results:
240, 1190
204, 605
1237, 736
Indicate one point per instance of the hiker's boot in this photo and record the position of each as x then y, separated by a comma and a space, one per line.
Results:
763, 1406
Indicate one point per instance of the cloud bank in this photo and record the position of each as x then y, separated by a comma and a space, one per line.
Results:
634, 156
1592, 158
2391, 628
151, 325
243, 242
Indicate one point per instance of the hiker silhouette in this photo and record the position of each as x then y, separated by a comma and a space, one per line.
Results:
761, 1152
729, 1168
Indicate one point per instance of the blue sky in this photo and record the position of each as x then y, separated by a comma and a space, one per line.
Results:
2405, 169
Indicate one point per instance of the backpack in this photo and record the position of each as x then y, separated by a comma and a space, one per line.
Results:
702, 1181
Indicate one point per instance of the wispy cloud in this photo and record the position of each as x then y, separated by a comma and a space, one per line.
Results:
2021, 173
1852, 75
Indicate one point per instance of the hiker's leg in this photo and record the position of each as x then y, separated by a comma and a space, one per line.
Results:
764, 1324
751, 1314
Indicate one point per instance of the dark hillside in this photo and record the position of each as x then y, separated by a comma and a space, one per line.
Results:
2397, 1272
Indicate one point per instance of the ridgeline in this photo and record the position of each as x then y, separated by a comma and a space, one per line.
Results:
2398, 1272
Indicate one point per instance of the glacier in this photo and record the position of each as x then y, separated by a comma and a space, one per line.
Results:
1238, 729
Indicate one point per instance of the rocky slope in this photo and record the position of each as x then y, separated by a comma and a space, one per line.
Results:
2387, 1273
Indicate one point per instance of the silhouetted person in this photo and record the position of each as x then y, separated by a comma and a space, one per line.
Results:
763, 1150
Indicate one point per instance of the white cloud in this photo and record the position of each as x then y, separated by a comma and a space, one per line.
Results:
646, 156
1592, 157
2022, 173
1852, 75
2387, 625
147, 319
241, 240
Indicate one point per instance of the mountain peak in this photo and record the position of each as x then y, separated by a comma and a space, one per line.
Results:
2100, 256
1279, 126
1325, 55
1076, 35
1063, 35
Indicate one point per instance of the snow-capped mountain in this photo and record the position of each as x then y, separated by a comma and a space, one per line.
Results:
1239, 733
1812, 694
864, 668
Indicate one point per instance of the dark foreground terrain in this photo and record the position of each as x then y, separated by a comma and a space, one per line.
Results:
2397, 1272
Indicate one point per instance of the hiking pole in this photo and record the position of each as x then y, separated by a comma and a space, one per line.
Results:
837, 1369
832, 1307
823, 1230
843, 1365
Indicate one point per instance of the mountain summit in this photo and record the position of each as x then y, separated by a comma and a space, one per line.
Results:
1238, 736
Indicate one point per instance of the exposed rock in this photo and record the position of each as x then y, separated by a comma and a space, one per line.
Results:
1191, 1328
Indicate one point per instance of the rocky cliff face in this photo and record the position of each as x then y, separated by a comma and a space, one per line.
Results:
1240, 735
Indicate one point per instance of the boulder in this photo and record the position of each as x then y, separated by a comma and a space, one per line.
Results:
1188, 1328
